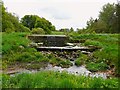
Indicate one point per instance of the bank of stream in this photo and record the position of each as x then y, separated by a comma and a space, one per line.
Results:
73, 69
81, 70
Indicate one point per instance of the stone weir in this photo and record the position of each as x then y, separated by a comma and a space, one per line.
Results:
55, 42
50, 40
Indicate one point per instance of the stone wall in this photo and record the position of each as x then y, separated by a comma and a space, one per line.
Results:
50, 40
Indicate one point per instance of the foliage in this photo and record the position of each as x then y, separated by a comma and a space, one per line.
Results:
38, 31
56, 61
107, 21
34, 21
92, 42
10, 22
57, 33
81, 60
96, 66
51, 79
12, 41
29, 21
108, 54
15, 49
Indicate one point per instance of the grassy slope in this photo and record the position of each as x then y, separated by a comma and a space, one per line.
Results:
15, 49
12, 52
107, 56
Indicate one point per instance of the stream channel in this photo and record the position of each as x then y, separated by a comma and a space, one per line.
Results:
81, 70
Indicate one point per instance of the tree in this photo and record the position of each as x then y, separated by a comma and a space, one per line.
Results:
10, 23
90, 23
71, 29
107, 21
34, 21
64, 30
29, 21
108, 16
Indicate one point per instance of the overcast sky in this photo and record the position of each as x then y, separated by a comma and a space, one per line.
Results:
62, 13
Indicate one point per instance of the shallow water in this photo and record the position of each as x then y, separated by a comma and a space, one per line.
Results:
77, 71
81, 70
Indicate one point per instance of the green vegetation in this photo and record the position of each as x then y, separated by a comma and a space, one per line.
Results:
92, 66
34, 21
108, 54
81, 60
10, 22
51, 79
17, 52
37, 31
107, 21
56, 61
12, 41
57, 33
15, 49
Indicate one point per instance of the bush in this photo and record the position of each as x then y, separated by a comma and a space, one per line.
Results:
92, 42
81, 60
38, 31
24, 29
8, 30
96, 66
65, 63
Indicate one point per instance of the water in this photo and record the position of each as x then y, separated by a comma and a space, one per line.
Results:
77, 71
81, 70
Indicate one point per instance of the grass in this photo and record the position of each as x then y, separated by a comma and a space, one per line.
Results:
15, 49
81, 60
56, 61
96, 66
108, 55
57, 33
50, 79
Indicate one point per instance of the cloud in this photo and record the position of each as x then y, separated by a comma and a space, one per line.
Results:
57, 13
62, 13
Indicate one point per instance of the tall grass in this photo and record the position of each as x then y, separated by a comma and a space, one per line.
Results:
12, 41
51, 79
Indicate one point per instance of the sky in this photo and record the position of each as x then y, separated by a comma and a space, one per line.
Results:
61, 13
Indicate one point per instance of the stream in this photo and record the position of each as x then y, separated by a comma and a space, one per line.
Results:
81, 70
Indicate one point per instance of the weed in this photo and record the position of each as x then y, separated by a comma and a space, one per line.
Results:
96, 66
51, 79
81, 60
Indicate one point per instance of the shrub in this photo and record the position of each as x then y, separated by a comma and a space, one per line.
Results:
92, 42
24, 29
96, 66
38, 31
65, 63
81, 60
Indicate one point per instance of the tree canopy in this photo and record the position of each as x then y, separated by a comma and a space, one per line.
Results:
34, 21
10, 22
107, 21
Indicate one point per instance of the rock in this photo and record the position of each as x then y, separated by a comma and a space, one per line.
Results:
21, 47
85, 52
70, 44
39, 44
33, 44
71, 59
